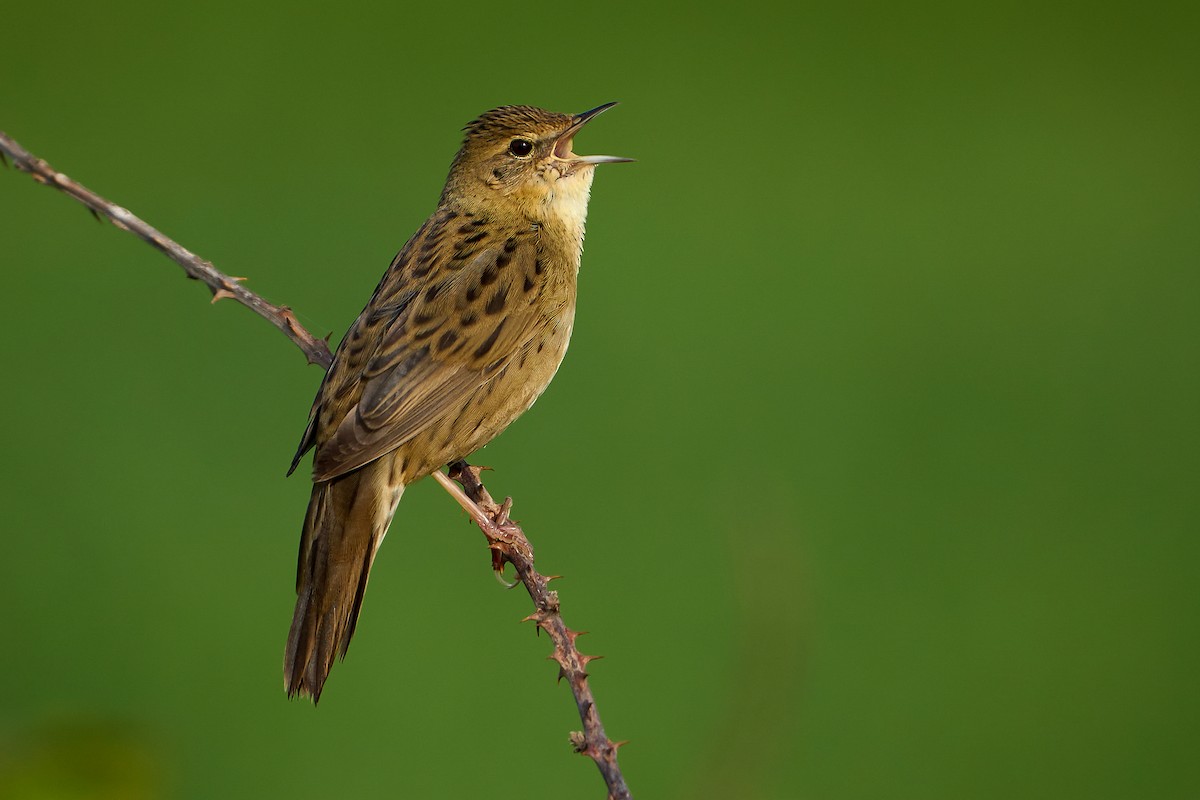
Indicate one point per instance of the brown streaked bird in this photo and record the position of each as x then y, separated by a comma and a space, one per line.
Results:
464, 331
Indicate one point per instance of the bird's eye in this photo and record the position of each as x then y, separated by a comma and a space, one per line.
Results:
520, 147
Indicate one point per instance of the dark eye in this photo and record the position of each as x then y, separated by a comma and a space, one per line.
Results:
520, 147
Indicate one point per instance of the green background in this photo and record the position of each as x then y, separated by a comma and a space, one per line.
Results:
872, 468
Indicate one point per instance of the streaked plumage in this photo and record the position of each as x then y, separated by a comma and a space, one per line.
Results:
464, 331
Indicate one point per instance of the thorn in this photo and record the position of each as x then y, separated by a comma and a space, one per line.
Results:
38, 178
562, 673
289, 318
585, 659
617, 745
549, 578
573, 635
222, 294
96, 214
327, 337
3, 159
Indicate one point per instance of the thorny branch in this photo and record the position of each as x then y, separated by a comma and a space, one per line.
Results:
508, 544
222, 285
505, 538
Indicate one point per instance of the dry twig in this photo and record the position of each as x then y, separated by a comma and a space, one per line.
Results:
222, 285
508, 544
505, 538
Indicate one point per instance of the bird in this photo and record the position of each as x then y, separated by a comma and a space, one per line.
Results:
465, 330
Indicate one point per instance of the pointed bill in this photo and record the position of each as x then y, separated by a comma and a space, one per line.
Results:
562, 148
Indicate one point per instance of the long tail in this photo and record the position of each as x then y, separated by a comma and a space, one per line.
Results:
345, 524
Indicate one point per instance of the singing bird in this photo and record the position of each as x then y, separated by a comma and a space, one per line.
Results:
464, 332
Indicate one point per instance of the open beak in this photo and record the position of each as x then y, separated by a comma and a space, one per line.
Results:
562, 148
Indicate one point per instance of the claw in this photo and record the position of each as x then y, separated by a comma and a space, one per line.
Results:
499, 573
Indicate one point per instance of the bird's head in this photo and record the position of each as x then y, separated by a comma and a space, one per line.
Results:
520, 159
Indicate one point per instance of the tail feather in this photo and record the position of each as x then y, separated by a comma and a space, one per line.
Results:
346, 521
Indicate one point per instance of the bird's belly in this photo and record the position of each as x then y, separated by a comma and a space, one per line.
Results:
490, 409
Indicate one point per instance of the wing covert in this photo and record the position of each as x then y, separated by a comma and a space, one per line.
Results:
438, 350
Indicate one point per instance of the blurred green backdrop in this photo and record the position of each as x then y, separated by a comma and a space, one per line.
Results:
872, 467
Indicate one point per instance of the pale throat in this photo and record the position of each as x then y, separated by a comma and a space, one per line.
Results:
566, 204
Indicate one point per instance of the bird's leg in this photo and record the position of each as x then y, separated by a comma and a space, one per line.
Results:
471, 501
503, 535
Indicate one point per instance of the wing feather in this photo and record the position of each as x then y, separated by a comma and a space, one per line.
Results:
444, 321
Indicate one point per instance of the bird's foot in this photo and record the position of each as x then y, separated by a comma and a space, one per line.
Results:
505, 538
